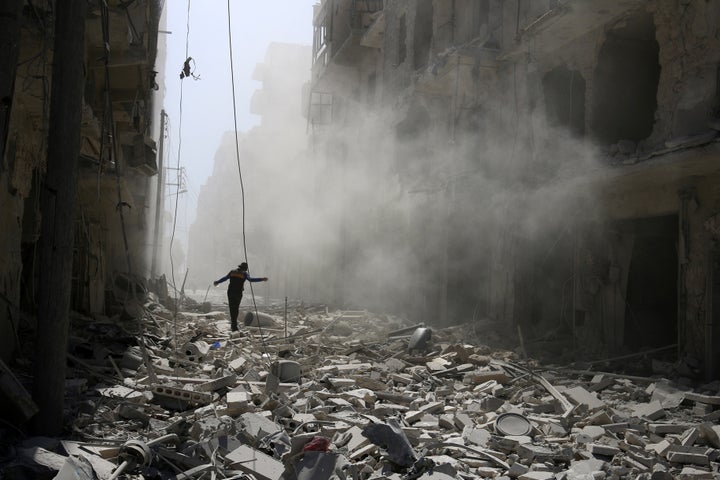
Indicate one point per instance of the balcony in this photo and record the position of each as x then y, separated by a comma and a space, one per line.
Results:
141, 155
340, 39
456, 72
567, 22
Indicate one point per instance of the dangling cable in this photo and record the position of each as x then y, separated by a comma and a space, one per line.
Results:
242, 186
177, 195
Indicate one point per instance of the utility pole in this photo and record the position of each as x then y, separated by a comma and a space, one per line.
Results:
158, 199
59, 199
10, 15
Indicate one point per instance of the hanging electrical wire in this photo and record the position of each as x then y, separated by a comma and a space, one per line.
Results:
237, 158
177, 196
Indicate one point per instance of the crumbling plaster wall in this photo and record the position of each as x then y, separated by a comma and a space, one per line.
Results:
398, 71
25, 155
687, 32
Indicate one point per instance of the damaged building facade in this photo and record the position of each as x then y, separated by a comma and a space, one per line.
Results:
117, 165
552, 166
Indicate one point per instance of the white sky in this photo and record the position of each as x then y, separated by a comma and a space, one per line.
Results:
207, 103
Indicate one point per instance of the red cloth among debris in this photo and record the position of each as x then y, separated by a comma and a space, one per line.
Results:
317, 444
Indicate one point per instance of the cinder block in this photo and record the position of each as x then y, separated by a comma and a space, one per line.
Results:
195, 398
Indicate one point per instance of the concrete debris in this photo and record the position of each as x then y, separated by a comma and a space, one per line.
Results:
340, 395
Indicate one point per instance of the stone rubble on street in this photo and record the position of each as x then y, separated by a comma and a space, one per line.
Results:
339, 395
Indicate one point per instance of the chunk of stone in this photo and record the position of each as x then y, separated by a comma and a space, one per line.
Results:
601, 449
652, 410
580, 396
255, 462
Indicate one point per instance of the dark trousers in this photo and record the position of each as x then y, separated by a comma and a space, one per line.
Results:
234, 303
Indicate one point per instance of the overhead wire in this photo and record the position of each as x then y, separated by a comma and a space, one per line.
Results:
242, 186
177, 196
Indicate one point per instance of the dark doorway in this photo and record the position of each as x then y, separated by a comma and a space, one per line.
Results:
626, 80
564, 92
651, 298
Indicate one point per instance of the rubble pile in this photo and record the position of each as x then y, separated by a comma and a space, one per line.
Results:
313, 394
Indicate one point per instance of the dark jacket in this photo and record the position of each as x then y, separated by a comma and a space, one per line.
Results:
237, 279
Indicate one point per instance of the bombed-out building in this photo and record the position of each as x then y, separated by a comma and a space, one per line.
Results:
79, 166
550, 166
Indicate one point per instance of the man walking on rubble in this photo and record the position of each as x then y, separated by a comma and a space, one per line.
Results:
237, 279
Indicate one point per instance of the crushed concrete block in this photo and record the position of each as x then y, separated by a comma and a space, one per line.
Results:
481, 377
593, 431
660, 448
463, 420
339, 383
395, 365
642, 459
634, 464
633, 438
239, 401
257, 426
488, 472
432, 407
362, 452
689, 437
427, 422
600, 382
438, 364
532, 452
668, 396
616, 427
76, 468
667, 428
129, 412
700, 398
585, 467
652, 410
476, 436
255, 462
599, 418
401, 379
102, 467
689, 473
600, 449
692, 455
537, 475
413, 416
702, 409
217, 384
382, 409
580, 396
180, 394
491, 404
357, 439
121, 392
517, 469
446, 421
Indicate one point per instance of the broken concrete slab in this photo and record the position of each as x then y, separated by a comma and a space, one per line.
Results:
254, 462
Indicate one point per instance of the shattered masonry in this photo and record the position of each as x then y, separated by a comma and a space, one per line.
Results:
363, 406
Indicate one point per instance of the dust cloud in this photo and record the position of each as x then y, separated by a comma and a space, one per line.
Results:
400, 210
